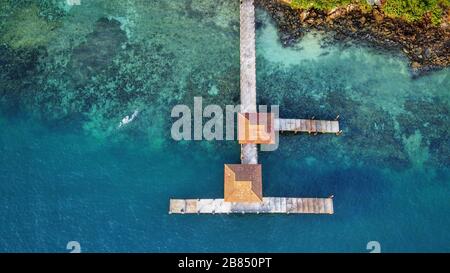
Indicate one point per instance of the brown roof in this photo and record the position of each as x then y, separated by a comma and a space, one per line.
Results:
242, 183
256, 128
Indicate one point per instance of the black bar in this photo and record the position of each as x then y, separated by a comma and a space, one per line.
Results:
228, 262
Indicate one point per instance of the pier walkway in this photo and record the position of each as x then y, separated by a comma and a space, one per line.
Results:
249, 152
283, 205
248, 57
307, 125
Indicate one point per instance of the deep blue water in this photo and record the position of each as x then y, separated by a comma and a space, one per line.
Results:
69, 174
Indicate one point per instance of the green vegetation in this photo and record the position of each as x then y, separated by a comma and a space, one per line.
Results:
414, 10
327, 4
28, 23
26, 29
409, 10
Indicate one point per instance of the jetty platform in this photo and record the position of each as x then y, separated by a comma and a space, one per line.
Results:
307, 125
284, 205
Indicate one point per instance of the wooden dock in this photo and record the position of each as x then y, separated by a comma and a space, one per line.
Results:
307, 125
249, 152
283, 205
248, 56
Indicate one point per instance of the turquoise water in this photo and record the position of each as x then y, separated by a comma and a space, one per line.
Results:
68, 173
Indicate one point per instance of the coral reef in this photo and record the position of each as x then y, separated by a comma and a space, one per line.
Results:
108, 59
28, 24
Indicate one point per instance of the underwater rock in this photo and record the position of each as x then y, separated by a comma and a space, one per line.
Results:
430, 118
27, 25
98, 52
16, 64
17, 70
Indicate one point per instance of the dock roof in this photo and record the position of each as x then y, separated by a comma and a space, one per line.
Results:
242, 183
256, 128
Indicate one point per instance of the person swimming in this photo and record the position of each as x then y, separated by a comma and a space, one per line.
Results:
127, 119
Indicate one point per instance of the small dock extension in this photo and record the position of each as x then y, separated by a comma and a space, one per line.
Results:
307, 125
282, 205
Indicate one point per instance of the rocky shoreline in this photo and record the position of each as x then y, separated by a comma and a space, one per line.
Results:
427, 46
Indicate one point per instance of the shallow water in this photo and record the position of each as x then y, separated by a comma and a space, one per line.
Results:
70, 174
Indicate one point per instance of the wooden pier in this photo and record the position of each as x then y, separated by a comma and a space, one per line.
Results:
243, 182
284, 205
249, 152
248, 56
307, 125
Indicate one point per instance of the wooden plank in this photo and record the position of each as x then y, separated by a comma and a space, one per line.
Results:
271, 204
329, 128
307, 126
322, 206
335, 126
330, 208
313, 126
288, 205
307, 205
191, 206
283, 205
294, 204
206, 206
177, 206
318, 126
249, 154
278, 204
297, 125
323, 126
